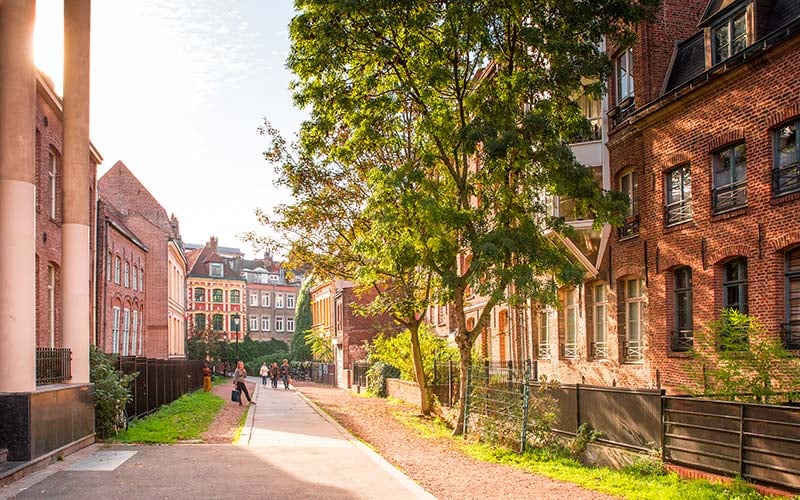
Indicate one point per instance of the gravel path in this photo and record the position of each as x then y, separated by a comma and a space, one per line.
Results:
434, 463
226, 422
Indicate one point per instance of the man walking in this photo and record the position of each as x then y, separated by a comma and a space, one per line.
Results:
285, 372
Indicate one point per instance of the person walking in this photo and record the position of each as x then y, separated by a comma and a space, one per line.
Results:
264, 372
239, 378
285, 372
206, 378
273, 374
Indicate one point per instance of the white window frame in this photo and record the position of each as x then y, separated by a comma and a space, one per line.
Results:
51, 304
126, 330
278, 301
141, 279
290, 325
254, 300
624, 75
265, 326
543, 319
53, 177
216, 270
634, 322
290, 301
117, 268
265, 299
571, 313
630, 190
253, 323
135, 278
134, 330
115, 329
600, 321
278, 323
126, 276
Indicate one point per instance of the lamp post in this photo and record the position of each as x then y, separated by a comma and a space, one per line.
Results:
236, 330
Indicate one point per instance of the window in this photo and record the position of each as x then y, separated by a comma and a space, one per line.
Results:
441, 312
126, 281
115, 330
253, 323
791, 329
734, 285
264, 323
254, 299
135, 278
199, 321
108, 265
624, 72
215, 269
628, 186
134, 331
216, 295
117, 268
273, 277
53, 178
218, 323
51, 304
278, 323
265, 299
679, 195
600, 346
544, 334
786, 170
290, 324
141, 280
126, 330
729, 37
630, 320
278, 303
570, 348
592, 110
730, 179
289, 301
235, 296
683, 335
199, 294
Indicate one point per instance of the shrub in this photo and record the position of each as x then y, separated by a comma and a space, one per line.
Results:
396, 351
111, 393
377, 375
253, 366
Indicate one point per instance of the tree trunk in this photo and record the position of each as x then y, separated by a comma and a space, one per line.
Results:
465, 351
419, 371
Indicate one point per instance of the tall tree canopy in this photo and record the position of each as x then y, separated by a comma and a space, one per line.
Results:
437, 127
302, 323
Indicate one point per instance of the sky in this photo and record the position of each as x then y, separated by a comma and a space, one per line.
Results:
178, 89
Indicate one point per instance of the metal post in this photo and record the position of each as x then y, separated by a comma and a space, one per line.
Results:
525, 404
466, 401
450, 382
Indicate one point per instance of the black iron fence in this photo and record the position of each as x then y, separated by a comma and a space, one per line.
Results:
160, 382
359, 371
323, 373
53, 365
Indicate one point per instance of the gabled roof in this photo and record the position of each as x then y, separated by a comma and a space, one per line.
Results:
718, 8
201, 265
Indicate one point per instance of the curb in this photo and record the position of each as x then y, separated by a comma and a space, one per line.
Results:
247, 429
415, 489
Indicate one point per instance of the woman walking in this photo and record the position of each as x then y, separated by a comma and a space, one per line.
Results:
239, 378
264, 374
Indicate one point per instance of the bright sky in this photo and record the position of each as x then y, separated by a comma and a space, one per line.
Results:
178, 89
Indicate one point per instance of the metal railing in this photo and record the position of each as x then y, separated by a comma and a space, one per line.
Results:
599, 350
360, 369
53, 365
729, 197
569, 350
786, 179
678, 211
633, 350
681, 340
544, 351
790, 333
629, 228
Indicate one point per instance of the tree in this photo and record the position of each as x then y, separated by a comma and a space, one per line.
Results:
320, 344
302, 323
738, 359
488, 89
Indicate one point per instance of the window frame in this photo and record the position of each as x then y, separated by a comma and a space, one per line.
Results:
777, 168
253, 322
126, 330
234, 296
201, 297
197, 327
290, 303
116, 314
625, 56
51, 303
52, 173
279, 323
117, 269
600, 322
571, 319
678, 211
740, 284
791, 329
254, 303
265, 323
728, 24
735, 187
290, 324
221, 322
265, 299
543, 333
279, 301
634, 348
682, 336
216, 270
126, 275
214, 296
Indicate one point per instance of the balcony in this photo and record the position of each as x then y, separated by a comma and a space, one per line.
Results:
569, 350
790, 333
599, 350
53, 365
730, 197
632, 351
544, 351
786, 179
681, 340
629, 228
678, 212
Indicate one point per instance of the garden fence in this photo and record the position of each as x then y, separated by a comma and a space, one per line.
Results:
160, 382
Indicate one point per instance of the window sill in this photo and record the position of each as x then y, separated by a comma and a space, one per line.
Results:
629, 237
679, 226
780, 199
730, 214
679, 354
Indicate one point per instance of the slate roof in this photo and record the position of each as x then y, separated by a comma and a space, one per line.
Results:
205, 256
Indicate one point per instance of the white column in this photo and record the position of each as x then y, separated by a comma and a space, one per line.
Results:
75, 258
17, 197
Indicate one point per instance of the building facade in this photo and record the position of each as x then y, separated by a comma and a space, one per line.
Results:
271, 300
165, 266
216, 294
120, 277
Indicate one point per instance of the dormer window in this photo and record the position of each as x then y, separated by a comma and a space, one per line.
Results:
729, 37
215, 269
624, 73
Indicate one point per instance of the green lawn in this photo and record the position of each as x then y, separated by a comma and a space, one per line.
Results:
183, 419
646, 480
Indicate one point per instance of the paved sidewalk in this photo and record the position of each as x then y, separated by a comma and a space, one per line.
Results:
289, 450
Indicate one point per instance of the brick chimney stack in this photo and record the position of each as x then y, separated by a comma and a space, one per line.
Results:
212, 244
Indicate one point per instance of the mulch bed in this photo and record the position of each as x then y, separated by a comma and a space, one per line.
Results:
224, 426
434, 463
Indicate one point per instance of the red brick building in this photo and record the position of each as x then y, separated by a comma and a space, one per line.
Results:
271, 299
164, 272
216, 293
121, 295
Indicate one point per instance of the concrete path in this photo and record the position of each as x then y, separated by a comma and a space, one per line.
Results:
289, 450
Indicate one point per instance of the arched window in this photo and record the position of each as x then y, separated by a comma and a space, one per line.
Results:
218, 323
630, 314
199, 294
216, 295
791, 329
235, 296
117, 268
127, 276
734, 284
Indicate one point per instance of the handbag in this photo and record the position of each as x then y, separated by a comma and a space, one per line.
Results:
236, 396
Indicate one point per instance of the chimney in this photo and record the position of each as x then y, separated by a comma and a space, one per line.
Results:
173, 223
212, 244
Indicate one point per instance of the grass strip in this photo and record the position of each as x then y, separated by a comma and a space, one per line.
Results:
644, 480
185, 418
